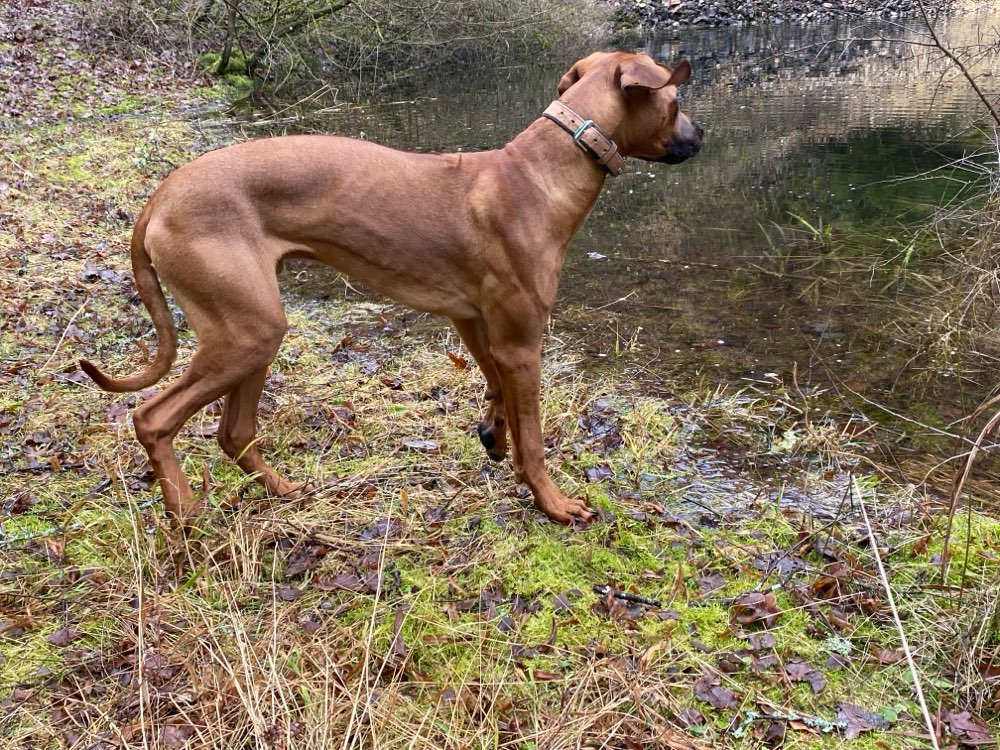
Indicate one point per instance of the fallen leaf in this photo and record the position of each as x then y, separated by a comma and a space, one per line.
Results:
561, 603
64, 636
755, 606
177, 731
341, 582
729, 663
690, 717
798, 670
598, 473
836, 662
762, 641
707, 688
289, 593
158, 668
968, 729
304, 559
885, 655
710, 582
858, 720
398, 645
774, 735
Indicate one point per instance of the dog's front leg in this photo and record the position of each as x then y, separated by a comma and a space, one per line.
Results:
518, 361
493, 429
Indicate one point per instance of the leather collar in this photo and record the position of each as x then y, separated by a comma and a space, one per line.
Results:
587, 136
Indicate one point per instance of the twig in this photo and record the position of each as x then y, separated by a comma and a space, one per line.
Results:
42, 469
961, 477
626, 596
895, 615
63, 337
815, 722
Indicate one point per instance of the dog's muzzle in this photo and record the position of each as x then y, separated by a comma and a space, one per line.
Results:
684, 148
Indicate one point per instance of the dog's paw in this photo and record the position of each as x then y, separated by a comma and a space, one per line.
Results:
567, 510
487, 436
292, 490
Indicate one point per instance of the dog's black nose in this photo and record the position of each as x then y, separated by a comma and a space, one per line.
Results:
699, 129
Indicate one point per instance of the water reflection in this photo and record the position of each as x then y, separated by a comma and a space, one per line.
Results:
725, 268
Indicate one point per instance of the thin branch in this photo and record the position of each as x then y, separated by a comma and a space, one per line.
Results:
895, 616
957, 62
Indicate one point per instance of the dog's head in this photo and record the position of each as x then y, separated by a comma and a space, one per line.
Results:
647, 122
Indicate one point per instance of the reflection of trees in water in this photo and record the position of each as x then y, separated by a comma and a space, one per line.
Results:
753, 54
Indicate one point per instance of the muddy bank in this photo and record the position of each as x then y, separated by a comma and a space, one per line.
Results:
651, 14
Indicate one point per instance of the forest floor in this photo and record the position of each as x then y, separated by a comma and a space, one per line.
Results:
748, 583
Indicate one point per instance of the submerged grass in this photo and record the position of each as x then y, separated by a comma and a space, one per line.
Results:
417, 599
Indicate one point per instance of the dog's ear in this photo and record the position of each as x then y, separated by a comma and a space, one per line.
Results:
642, 72
571, 77
682, 71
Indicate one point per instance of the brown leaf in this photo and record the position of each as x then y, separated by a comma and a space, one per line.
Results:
561, 603
762, 641
763, 663
798, 670
836, 662
774, 735
289, 593
858, 720
19, 504
341, 582
177, 731
968, 729
708, 689
458, 360
598, 473
539, 675
729, 663
690, 717
885, 655
64, 636
755, 606
50, 550
710, 582
158, 668
989, 666
398, 645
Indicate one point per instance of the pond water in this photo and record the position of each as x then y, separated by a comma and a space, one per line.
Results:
774, 254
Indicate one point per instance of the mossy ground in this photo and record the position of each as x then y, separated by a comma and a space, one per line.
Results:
417, 599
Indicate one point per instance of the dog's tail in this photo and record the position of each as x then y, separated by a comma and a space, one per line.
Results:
151, 293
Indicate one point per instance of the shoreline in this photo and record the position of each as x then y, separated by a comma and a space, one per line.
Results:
649, 15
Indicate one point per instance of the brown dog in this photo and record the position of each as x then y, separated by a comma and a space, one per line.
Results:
476, 237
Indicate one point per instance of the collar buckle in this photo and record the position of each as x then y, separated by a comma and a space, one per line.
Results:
588, 136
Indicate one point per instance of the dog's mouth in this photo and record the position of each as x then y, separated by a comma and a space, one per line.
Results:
683, 149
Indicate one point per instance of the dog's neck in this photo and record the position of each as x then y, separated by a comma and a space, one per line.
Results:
577, 174
588, 135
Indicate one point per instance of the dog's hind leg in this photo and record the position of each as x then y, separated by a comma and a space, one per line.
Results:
239, 331
238, 432
493, 429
